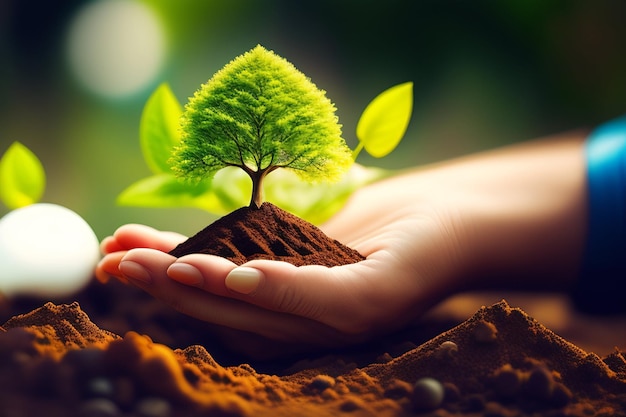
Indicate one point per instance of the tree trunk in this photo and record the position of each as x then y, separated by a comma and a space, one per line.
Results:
257, 189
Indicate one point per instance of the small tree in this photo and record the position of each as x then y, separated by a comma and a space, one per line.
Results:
259, 113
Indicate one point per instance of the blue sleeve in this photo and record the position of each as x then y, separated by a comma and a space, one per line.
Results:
601, 287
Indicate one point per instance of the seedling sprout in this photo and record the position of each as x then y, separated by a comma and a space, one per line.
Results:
258, 114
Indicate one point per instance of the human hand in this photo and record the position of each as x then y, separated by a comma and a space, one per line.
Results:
507, 218
409, 266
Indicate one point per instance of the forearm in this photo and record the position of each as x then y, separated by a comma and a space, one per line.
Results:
531, 222
520, 210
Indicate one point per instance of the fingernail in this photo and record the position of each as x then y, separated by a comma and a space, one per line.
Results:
135, 271
243, 280
185, 273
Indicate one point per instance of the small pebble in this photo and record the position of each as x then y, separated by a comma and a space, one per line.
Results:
447, 350
329, 394
352, 403
485, 332
341, 388
561, 396
507, 382
99, 387
321, 382
98, 407
153, 407
452, 394
428, 394
540, 383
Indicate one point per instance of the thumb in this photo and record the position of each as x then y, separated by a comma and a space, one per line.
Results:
334, 296
282, 287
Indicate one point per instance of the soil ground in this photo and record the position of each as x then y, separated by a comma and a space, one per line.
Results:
112, 350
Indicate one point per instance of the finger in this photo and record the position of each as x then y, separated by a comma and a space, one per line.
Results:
358, 299
206, 272
109, 245
333, 296
328, 295
109, 267
147, 269
132, 236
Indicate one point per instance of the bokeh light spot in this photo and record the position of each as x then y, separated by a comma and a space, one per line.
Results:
116, 47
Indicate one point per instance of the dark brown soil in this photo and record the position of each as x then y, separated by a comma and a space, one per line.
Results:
268, 233
151, 361
500, 362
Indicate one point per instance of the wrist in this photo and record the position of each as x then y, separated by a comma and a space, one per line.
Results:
527, 215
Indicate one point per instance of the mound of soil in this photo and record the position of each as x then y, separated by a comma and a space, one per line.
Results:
500, 362
268, 233
151, 361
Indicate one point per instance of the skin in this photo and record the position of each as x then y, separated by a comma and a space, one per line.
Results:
508, 218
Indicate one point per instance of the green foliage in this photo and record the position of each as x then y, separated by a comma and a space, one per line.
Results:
260, 113
230, 188
316, 203
22, 177
158, 130
385, 120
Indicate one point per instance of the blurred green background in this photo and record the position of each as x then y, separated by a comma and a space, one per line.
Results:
75, 76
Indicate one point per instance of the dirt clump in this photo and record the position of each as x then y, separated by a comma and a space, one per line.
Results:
55, 359
268, 233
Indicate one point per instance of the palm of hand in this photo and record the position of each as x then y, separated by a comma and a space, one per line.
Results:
409, 259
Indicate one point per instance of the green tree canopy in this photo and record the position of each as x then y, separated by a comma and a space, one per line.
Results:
260, 113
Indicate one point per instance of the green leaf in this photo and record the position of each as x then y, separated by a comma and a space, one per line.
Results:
167, 190
158, 130
22, 177
230, 189
385, 120
316, 203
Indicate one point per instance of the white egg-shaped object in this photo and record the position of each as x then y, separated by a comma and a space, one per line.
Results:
46, 250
